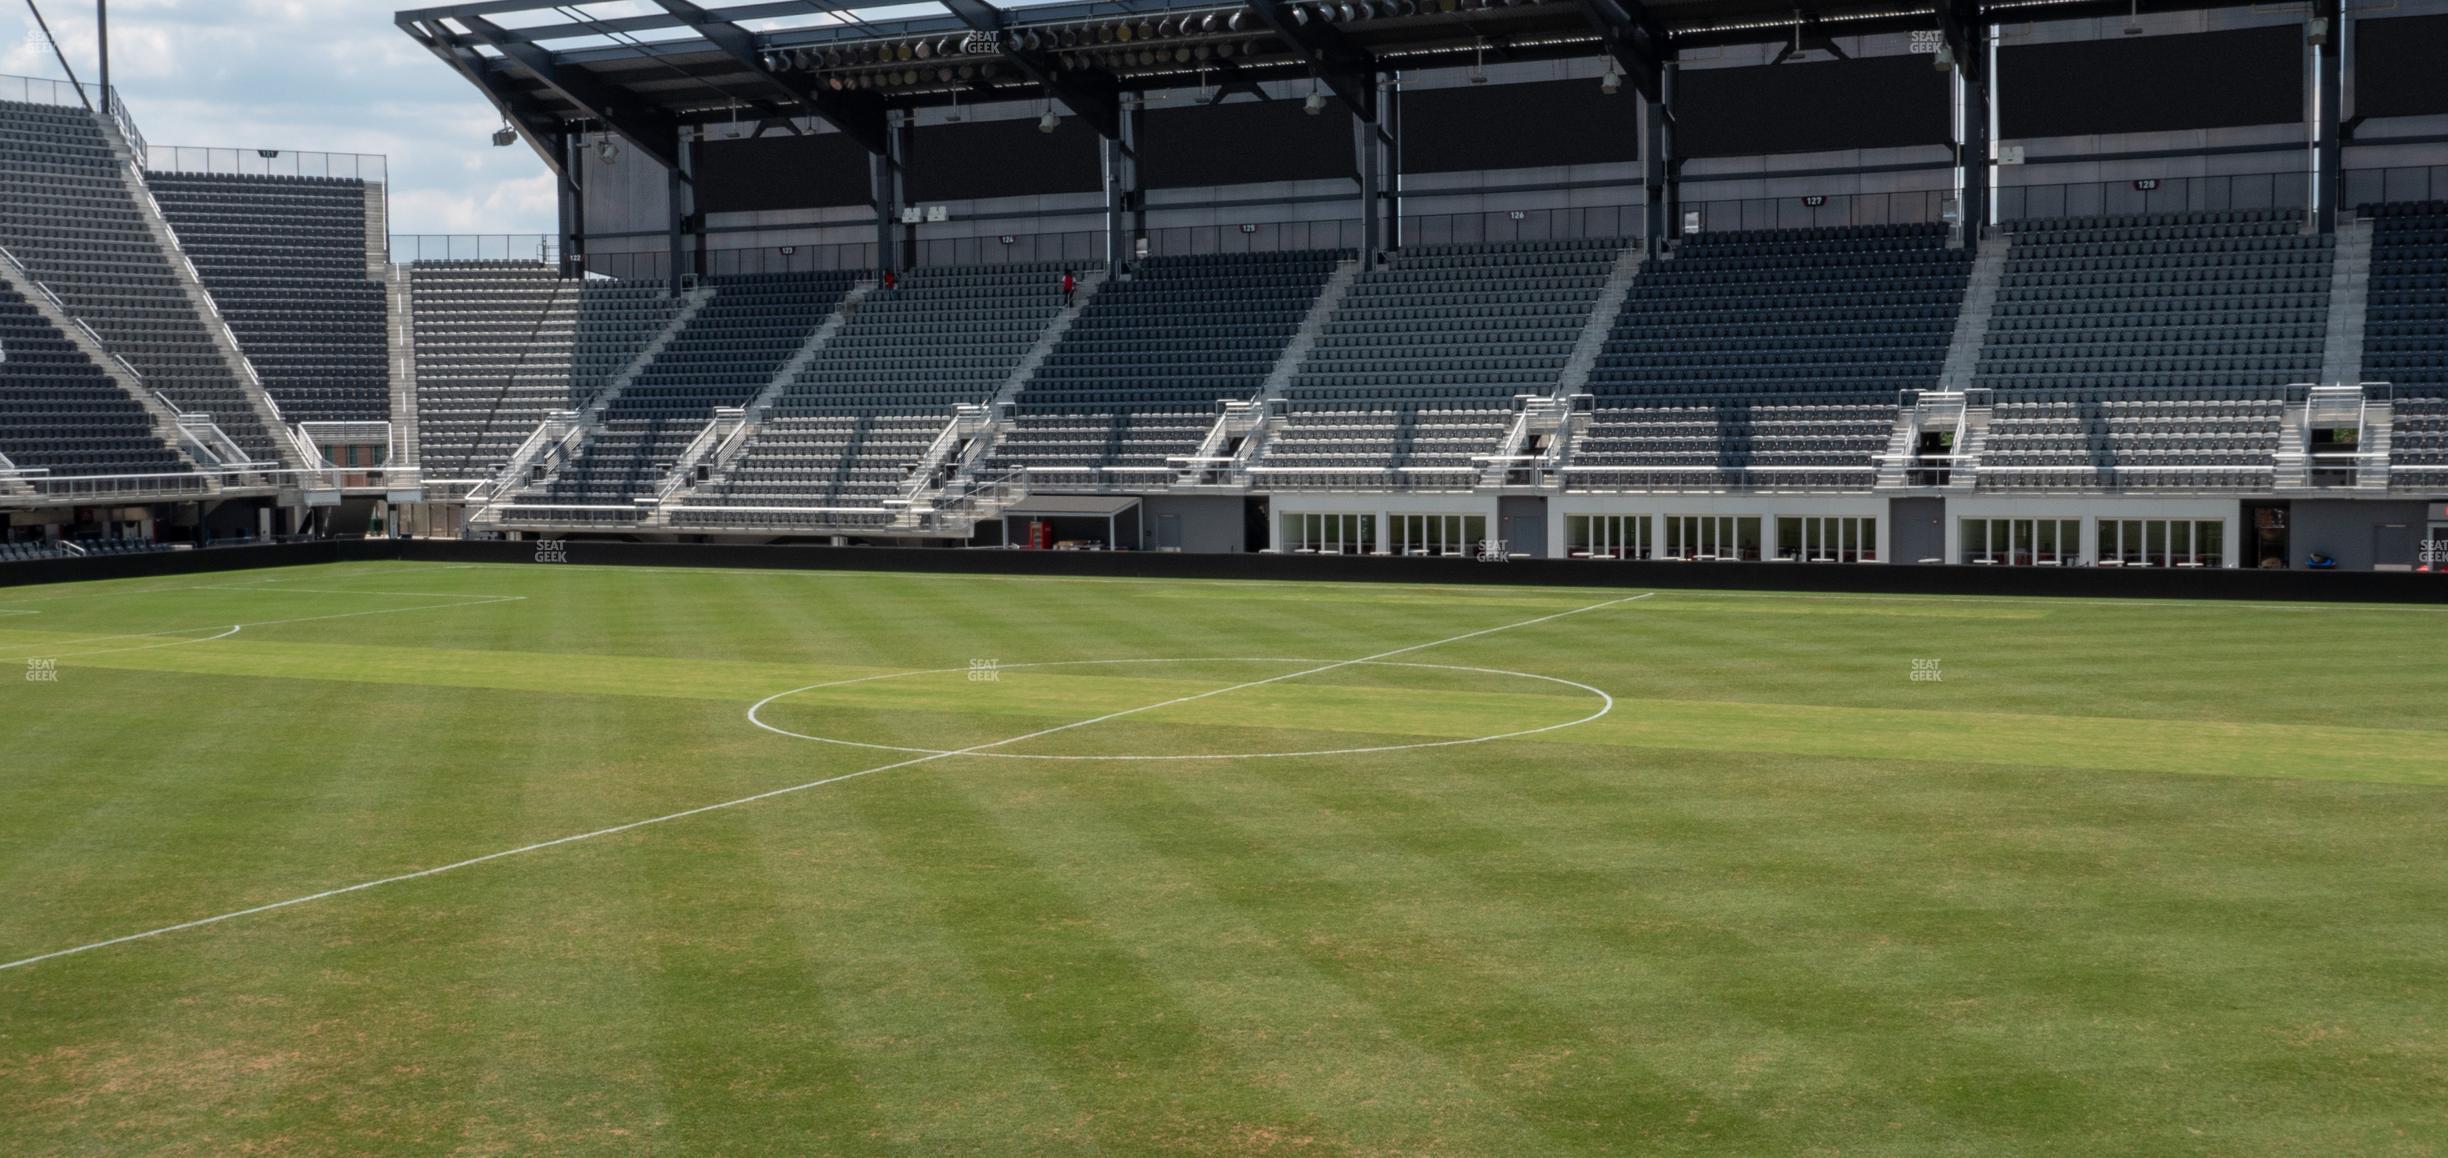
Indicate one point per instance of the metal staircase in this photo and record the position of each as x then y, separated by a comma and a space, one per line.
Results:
1961, 415
1972, 320
1218, 461
690, 306
2349, 295
401, 335
1521, 459
2364, 409
1312, 327
377, 231
1577, 369
710, 455
1211, 464
959, 472
191, 283
1970, 443
166, 417
563, 434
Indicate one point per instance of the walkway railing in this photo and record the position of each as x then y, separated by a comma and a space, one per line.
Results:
265, 162
536, 247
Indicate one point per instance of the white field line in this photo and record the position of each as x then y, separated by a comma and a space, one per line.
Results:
770, 794
1606, 704
467, 601
119, 591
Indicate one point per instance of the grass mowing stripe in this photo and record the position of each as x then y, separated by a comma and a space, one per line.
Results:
1148, 1070
1461, 975
771, 794
468, 601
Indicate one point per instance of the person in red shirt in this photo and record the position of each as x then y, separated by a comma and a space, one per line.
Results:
1070, 286
891, 279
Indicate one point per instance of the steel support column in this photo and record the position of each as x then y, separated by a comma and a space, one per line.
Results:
1966, 33
1117, 204
1368, 149
1668, 74
102, 32
676, 206
1389, 113
883, 188
2328, 189
1653, 177
1976, 148
572, 201
1134, 131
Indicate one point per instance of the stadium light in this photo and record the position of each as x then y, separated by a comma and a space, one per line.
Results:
1944, 59
1314, 105
1612, 82
504, 137
1048, 122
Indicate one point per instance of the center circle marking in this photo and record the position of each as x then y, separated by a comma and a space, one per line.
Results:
1606, 704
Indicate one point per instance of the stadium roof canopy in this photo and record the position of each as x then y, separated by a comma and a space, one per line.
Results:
643, 68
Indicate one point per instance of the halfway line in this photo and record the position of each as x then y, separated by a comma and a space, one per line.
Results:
795, 788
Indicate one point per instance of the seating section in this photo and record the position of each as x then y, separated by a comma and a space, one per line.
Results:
1769, 359
86, 548
1141, 375
60, 412
285, 259
66, 212
1416, 372
2405, 335
724, 356
2151, 351
494, 349
616, 322
2189, 443
849, 428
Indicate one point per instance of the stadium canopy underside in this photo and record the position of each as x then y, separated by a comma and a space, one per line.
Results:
643, 69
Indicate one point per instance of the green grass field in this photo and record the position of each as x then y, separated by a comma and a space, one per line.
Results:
2127, 878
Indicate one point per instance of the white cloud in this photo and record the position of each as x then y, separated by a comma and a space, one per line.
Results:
311, 75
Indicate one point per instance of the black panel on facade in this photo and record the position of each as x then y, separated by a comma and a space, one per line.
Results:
2397, 66
1245, 143
1518, 126
1878, 102
781, 172
2150, 84
975, 159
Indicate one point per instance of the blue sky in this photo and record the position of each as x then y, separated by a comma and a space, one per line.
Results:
328, 75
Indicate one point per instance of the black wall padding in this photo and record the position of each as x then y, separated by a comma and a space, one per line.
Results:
2092, 582
1245, 143
975, 159
2149, 84
781, 172
1879, 102
2401, 66
1518, 126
